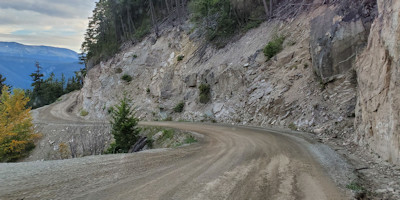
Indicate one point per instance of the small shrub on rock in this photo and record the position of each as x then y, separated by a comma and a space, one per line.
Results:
292, 126
179, 107
84, 113
274, 47
126, 78
205, 93
180, 58
118, 70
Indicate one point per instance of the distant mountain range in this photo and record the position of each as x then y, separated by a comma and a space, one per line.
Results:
17, 62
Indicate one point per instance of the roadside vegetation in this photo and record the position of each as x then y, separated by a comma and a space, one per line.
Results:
160, 137
84, 113
292, 126
16, 129
123, 127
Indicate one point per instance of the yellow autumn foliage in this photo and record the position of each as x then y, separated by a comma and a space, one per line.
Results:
16, 128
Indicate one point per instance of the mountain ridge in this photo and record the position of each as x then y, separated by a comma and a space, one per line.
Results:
17, 62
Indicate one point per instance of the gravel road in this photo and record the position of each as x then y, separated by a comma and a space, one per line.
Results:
228, 162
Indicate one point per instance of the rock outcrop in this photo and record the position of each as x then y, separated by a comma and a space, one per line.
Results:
245, 89
311, 85
338, 36
378, 69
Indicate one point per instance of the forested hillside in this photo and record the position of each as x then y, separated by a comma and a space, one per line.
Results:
115, 22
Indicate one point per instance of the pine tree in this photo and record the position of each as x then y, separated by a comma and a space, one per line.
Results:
36, 95
37, 77
16, 128
124, 126
2, 83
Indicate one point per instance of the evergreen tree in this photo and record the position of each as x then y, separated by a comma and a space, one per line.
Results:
47, 91
124, 126
37, 77
2, 83
36, 93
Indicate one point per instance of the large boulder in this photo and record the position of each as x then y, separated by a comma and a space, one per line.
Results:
337, 37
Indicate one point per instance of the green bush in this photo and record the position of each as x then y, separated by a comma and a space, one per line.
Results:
179, 107
124, 126
292, 126
112, 149
150, 143
180, 58
110, 110
354, 186
148, 90
84, 113
190, 139
274, 47
118, 70
142, 30
126, 78
167, 134
252, 24
216, 18
205, 93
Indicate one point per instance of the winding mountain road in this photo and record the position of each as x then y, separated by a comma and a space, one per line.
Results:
228, 162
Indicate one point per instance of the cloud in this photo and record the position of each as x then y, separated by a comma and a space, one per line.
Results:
57, 8
60, 23
72, 42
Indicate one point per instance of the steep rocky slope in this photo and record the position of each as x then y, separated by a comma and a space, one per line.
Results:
324, 72
245, 88
378, 105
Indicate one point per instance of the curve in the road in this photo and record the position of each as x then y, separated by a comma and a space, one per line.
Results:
227, 163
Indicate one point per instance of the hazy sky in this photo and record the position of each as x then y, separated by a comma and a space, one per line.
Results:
60, 23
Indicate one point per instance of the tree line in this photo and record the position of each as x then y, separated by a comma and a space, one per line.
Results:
47, 91
115, 22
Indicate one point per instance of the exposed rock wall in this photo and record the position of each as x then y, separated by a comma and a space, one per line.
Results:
338, 36
310, 85
378, 68
245, 89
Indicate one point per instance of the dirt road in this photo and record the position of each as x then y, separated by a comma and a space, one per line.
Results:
228, 162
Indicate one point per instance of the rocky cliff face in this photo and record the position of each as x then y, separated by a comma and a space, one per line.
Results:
245, 89
378, 69
338, 36
311, 85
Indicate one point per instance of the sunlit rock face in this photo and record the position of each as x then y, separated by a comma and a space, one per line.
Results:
378, 106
